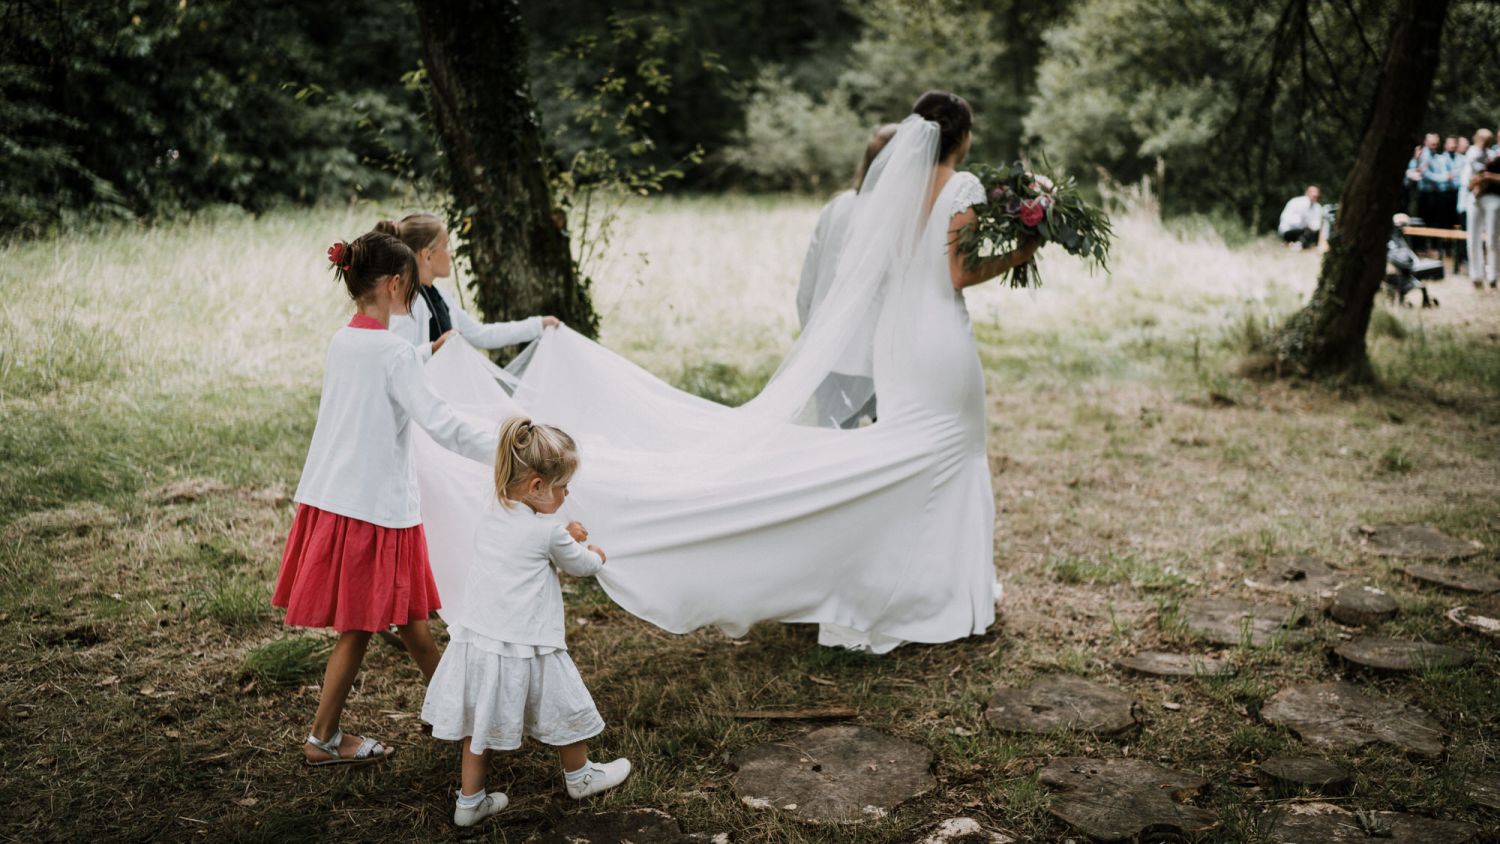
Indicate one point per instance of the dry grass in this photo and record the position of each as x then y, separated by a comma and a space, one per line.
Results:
146, 679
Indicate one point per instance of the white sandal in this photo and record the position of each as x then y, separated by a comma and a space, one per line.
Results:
369, 750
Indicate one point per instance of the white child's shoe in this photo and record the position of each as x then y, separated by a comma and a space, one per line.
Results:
492, 803
597, 777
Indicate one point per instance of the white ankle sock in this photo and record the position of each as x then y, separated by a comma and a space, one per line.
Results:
469, 801
575, 776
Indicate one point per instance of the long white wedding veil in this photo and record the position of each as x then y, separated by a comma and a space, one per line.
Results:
885, 225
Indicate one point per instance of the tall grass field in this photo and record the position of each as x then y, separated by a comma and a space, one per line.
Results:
158, 389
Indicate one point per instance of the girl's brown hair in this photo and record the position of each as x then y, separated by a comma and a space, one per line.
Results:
528, 449
418, 231
369, 258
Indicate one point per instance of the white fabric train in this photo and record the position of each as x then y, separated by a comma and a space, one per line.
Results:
724, 516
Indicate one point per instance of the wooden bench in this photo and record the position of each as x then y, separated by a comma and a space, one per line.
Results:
1424, 231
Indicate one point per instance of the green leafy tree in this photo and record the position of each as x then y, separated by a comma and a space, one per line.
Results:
141, 108
1243, 104
1327, 337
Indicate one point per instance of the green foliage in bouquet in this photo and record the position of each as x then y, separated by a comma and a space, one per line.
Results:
1022, 204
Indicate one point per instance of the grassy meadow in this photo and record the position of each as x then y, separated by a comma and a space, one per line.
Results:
158, 388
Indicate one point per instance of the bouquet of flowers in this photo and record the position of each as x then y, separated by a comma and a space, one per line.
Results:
1025, 204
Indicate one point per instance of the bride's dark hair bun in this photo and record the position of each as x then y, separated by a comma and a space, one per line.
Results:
952, 115
388, 227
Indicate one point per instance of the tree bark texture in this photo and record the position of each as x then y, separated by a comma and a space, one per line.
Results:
474, 54
1327, 337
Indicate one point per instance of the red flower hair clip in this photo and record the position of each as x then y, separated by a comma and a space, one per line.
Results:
337, 253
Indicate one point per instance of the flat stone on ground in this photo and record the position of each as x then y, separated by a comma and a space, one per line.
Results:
1117, 799
638, 826
1453, 577
1062, 702
1483, 614
1293, 773
1227, 621
966, 831
1484, 789
838, 774
1386, 654
1415, 542
1339, 716
1159, 664
1306, 577
1327, 824
1361, 606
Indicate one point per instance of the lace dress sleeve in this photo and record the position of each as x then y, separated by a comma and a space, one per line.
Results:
967, 193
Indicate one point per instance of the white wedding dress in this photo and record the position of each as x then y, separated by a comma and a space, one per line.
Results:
724, 516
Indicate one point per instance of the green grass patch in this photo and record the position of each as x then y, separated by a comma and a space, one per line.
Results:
102, 446
284, 662
1114, 568
233, 600
722, 382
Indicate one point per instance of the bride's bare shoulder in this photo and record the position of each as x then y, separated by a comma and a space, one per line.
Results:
940, 177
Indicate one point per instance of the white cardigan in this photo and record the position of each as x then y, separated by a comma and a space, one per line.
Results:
360, 461
513, 593
413, 327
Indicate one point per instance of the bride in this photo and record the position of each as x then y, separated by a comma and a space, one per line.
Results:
727, 516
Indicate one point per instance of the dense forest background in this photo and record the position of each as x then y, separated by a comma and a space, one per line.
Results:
134, 109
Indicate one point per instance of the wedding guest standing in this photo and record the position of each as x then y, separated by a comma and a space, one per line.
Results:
1475, 156
1432, 177
356, 556
1302, 219
1454, 163
433, 315
1412, 180
1484, 251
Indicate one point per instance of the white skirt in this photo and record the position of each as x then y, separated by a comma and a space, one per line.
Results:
500, 692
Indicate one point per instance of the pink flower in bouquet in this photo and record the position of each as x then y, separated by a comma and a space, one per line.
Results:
998, 192
1032, 212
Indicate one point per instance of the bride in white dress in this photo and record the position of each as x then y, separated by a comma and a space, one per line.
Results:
729, 516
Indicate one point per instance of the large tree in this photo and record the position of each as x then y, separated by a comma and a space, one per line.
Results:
474, 54
1327, 337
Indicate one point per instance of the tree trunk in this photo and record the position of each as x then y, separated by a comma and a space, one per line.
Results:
474, 53
1327, 337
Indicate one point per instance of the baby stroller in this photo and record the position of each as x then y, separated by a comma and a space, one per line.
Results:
1410, 270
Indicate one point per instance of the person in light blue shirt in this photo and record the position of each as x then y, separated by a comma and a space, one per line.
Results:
1436, 205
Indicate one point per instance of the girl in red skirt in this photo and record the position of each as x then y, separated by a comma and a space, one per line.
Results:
356, 558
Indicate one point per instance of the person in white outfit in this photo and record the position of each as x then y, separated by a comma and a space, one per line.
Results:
506, 673
822, 257
818, 269
1483, 206
1302, 219
434, 317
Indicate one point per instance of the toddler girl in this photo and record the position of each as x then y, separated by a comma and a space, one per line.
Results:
356, 557
434, 317
506, 673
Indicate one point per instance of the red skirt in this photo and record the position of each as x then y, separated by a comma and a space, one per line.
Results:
351, 575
